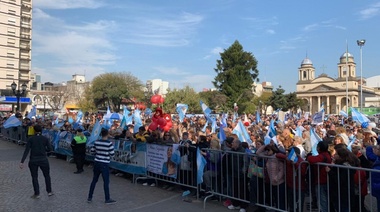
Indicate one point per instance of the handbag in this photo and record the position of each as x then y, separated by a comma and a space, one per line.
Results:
255, 170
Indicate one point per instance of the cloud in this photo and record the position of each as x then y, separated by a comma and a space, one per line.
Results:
270, 31
68, 49
170, 71
67, 4
323, 24
170, 31
62, 74
217, 50
198, 82
370, 12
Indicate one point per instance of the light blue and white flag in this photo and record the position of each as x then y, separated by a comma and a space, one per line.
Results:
242, 133
79, 117
359, 117
314, 140
299, 131
258, 118
201, 163
222, 135
138, 121
318, 117
33, 112
322, 108
205, 108
306, 115
204, 127
276, 111
12, 121
344, 114
71, 120
293, 156
213, 125
223, 121
95, 133
181, 110
351, 141
271, 133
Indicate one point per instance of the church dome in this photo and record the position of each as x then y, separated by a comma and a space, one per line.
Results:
306, 61
344, 55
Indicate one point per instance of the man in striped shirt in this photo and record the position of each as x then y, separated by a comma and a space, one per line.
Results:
103, 150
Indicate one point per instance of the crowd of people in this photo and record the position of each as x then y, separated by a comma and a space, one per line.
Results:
260, 167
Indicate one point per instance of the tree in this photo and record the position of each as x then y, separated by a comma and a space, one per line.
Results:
236, 72
86, 103
293, 103
215, 100
186, 95
111, 88
278, 99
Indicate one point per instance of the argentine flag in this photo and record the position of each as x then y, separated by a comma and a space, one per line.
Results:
12, 121
293, 156
359, 117
242, 133
314, 140
33, 112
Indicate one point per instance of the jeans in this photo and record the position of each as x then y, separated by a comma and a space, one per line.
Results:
322, 197
45, 168
101, 168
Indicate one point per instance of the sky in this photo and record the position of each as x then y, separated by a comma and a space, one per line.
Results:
180, 41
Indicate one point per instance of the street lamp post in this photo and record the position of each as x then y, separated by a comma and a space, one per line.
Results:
361, 44
18, 93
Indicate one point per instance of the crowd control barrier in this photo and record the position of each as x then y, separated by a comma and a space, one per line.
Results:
269, 182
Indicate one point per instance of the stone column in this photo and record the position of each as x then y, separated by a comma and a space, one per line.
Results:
328, 105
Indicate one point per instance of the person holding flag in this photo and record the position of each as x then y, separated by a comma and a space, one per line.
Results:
320, 182
294, 166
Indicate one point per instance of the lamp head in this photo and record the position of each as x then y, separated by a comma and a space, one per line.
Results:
13, 86
360, 42
23, 87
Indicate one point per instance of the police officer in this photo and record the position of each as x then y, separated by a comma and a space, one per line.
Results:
78, 145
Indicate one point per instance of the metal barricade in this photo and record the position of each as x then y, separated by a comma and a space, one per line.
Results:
173, 164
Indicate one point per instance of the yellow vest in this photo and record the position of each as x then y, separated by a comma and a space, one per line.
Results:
31, 130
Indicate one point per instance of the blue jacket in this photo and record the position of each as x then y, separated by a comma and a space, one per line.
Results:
375, 176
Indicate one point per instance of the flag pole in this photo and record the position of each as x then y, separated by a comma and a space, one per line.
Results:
346, 77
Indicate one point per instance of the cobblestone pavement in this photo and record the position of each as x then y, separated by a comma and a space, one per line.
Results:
71, 190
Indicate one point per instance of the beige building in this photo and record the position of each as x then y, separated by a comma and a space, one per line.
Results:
15, 50
332, 92
15, 42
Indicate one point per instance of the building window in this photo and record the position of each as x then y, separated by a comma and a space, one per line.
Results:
304, 74
12, 21
11, 41
13, 12
10, 54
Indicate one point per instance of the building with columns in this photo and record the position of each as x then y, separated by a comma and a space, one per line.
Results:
332, 92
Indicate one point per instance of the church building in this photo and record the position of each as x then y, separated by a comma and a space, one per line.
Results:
332, 92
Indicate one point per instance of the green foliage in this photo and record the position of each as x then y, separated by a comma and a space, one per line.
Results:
86, 103
185, 95
111, 88
278, 99
215, 100
236, 72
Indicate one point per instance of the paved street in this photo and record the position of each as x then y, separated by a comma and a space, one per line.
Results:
71, 190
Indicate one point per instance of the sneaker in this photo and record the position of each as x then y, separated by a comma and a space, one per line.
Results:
35, 196
145, 184
110, 202
153, 184
232, 207
89, 200
227, 203
50, 194
242, 210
